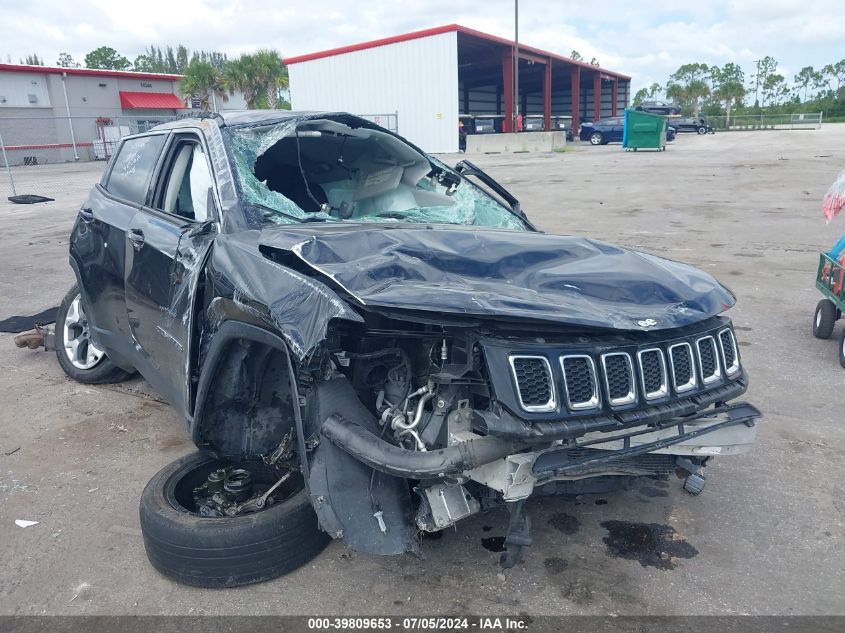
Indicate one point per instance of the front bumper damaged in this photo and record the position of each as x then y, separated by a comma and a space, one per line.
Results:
724, 429
637, 451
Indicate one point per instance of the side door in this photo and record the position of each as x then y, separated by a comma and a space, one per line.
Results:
167, 244
617, 127
98, 239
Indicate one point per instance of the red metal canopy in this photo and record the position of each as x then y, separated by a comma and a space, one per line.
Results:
150, 101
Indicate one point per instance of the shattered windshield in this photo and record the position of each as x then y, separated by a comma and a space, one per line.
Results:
322, 170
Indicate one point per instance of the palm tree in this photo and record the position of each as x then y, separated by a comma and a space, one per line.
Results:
730, 92
242, 75
272, 74
202, 80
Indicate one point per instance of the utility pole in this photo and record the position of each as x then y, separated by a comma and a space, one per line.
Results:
515, 64
757, 82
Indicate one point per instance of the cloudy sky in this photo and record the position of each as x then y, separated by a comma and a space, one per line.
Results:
646, 40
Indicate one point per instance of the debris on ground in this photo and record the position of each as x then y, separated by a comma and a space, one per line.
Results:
24, 523
18, 324
33, 339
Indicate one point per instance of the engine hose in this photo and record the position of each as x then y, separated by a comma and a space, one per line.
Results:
400, 462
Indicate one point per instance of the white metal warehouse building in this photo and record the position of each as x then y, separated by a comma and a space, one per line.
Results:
430, 78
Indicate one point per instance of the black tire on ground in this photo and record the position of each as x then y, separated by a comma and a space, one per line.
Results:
702, 130
225, 551
824, 319
842, 348
104, 371
596, 138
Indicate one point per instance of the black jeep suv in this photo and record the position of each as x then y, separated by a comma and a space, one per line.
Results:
367, 344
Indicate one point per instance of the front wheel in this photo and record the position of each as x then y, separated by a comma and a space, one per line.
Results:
78, 355
213, 523
702, 130
824, 319
596, 138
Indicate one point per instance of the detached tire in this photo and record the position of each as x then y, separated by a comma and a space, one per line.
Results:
223, 551
78, 356
824, 319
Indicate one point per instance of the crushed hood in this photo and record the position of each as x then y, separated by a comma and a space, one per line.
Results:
505, 274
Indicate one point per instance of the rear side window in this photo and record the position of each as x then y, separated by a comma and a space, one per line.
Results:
130, 176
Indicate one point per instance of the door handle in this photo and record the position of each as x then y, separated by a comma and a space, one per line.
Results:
136, 236
86, 214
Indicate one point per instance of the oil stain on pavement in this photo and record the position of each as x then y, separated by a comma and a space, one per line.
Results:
565, 523
651, 544
494, 543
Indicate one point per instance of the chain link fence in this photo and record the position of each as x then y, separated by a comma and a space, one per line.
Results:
60, 156
64, 156
744, 122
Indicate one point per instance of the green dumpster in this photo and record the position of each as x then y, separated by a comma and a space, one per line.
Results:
644, 130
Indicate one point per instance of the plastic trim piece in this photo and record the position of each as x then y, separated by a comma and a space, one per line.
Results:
593, 402
631, 396
551, 405
691, 383
734, 367
716, 376
664, 385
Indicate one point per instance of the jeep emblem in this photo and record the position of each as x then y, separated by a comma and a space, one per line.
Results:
647, 323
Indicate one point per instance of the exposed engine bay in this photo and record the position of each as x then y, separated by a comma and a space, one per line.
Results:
440, 419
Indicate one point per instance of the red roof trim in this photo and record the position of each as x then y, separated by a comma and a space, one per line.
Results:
57, 70
150, 101
415, 35
448, 28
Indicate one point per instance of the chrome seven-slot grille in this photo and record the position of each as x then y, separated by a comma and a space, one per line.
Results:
622, 378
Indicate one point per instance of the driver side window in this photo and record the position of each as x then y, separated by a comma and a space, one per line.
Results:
184, 193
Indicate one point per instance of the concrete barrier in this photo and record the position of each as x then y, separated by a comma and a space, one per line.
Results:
509, 142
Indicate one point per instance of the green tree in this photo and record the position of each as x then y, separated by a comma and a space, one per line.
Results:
144, 64
834, 74
644, 94
106, 58
181, 59
272, 75
806, 79
203, 82
242, 75
729, 87
774, 89
765, 67
689, 86
594, 62
67, 61
170, 60
575, 55
640, 96
33, 60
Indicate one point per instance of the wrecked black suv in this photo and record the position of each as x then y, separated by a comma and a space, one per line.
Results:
368, 345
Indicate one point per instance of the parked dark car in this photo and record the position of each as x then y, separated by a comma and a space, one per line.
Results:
691, 124
610, 131
658, 107
366, 344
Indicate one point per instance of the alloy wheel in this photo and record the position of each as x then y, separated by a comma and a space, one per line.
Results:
80, 350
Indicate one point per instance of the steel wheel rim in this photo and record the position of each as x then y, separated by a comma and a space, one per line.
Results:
818, 319
81, 352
